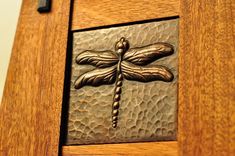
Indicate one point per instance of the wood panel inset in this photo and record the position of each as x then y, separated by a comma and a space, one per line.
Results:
150, 148
32, 100
87, 14
207, 78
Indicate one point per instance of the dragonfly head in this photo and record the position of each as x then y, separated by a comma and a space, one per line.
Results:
122, 46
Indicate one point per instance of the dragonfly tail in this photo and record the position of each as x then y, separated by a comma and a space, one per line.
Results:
116, 100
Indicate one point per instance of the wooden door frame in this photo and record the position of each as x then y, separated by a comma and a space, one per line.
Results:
32, 99
30, 112
206, 124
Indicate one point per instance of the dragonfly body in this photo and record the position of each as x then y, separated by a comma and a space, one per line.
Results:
124, 63
121, 47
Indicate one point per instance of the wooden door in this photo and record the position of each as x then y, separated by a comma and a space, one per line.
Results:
30, 113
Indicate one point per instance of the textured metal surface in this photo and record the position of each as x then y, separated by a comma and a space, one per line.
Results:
123, 65
147, 110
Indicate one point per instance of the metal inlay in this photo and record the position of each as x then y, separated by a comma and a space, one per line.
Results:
44, 6
122, 64
123, 85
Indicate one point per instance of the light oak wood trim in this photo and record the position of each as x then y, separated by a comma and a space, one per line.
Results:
151, 148
207, 78
31, 106
93, 13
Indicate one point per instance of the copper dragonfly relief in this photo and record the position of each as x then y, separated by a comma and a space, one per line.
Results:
124, 63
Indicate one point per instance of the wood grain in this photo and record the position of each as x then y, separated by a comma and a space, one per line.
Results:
147, 149
207, 78
32, 100
31, 105
93, 13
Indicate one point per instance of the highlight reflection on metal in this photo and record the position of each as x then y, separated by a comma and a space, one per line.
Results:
113, 67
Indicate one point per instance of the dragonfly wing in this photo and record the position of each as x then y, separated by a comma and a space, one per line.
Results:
97, 77
148, 54
101, 59
146, 74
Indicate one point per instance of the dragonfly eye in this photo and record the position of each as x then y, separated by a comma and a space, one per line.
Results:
122, 44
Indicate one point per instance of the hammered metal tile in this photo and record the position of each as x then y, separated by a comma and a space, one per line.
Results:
148, 111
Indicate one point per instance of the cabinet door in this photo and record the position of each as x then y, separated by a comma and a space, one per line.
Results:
205, 93
30, 112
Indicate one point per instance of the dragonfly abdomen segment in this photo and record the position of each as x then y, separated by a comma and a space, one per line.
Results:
116, 100
121, 47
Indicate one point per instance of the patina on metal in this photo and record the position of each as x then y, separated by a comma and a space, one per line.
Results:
145, 107
122, 64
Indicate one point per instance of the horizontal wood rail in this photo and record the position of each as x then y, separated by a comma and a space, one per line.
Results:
87, 14
149, 148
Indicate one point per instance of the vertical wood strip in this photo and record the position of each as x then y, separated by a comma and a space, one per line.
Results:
32, 99
207, 78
